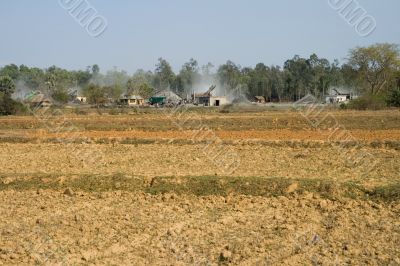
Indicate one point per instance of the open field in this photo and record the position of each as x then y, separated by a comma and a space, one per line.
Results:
151, 188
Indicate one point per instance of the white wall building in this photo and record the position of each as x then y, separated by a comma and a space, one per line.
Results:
337, 98
218, 101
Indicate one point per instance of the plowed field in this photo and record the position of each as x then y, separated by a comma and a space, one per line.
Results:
260, 188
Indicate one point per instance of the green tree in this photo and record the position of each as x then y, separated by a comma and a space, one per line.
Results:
393, 98
7, 85
33, 78
320, 75
187, 77
82, 78
7, 105
261, 80
375, 66
95, 94
139, 85
229, 75
115, 82
336, 77
207, 69
145, 90
140, 77
398, 79
60, 95
59, 83
298, 77
164, 75
113, 91
11, 70
276, 81
95, 69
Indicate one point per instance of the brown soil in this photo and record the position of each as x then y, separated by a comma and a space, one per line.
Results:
279, 134
129, 228
134, 189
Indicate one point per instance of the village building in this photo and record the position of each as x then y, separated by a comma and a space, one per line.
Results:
337, 98
218, 101
207, 99
80, 99
131, 100
38, 99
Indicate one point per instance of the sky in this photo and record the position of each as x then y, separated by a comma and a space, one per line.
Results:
43, 33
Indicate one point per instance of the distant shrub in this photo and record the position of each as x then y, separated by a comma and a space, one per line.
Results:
8, 106
368, 102
343, 106
60, 96
393, 98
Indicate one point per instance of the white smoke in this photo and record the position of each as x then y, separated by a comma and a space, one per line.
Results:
236, 95
21, 90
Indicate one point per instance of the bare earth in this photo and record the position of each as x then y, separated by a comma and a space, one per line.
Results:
130, 189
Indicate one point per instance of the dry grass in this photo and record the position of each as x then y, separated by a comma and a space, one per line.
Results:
158, 120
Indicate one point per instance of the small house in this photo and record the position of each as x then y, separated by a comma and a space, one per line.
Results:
80, 99
218, 101
340, 98
131, 100
201, 99
39, 100
207, 99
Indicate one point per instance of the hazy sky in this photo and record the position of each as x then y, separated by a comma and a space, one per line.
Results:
41, 33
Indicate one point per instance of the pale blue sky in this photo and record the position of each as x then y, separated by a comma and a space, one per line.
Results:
41, 33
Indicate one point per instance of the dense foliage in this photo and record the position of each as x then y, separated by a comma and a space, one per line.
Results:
373, 70
394, 98
8, 106
368, 102
7, 86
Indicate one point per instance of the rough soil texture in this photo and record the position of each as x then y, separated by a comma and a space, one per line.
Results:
364, 165
277, 134
128, 228
134, 189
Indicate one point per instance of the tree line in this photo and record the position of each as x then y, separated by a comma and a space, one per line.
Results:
372, 70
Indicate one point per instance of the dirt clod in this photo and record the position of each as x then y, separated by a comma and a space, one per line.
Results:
69, 192
292, 188
225, 255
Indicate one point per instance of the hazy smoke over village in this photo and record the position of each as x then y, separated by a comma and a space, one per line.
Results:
21, 90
